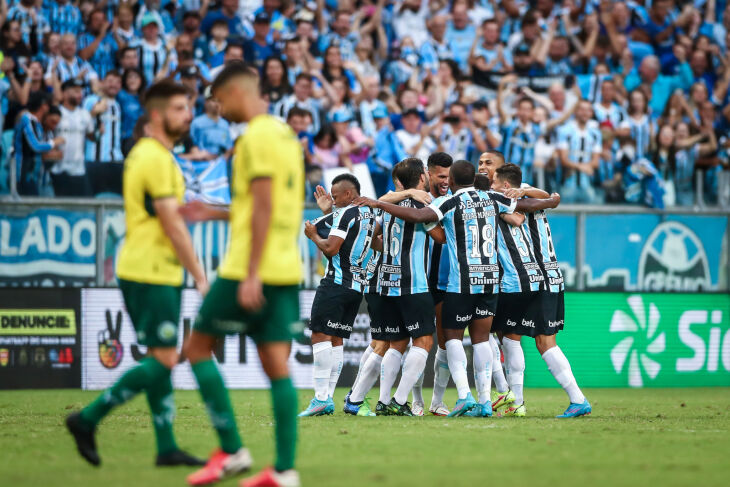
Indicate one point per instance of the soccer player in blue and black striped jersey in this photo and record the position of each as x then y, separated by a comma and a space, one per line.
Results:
439, 164
539, 313
339, 294
407, 305
469, 219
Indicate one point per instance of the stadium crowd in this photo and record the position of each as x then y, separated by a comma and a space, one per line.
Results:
602, 101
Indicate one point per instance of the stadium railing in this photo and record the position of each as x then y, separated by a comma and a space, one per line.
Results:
616, 215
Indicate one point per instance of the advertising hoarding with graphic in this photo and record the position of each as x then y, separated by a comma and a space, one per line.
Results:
40, 338
641, 340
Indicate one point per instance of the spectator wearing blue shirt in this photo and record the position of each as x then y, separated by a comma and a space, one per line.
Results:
129, 101
228, 12
183, 57
104, 156
661, 27
461, 33
662, 86
152, 8
257, 49
33, 23
31, 144
490, 54
300, 120
191, 26
436, 46
68, 65
215, 47
342, 35
125, 33
64, 17
210, 132
151, 50
97, 46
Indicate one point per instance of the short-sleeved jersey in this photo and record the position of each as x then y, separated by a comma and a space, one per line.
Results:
373, 259
268, 149
405, 253
521, 271
148, 255
348, 267
542, 241
469, 217
438, 266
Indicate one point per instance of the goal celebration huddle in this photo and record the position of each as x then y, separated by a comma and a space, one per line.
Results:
450, 250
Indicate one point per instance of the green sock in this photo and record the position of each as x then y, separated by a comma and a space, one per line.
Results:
284, 400
129, 385
162, 406
215, 397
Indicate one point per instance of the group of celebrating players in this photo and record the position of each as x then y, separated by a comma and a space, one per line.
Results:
451, 249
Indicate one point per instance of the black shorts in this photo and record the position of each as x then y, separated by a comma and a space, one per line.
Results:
552, 309
334, 309
375, 310
516, 313
459, 310
438, 296
529, 313
408, 316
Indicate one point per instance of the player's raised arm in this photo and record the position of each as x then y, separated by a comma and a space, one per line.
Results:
329, 246
526, 191
531, 205
413, 215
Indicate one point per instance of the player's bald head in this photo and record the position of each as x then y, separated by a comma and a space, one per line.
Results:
462, 174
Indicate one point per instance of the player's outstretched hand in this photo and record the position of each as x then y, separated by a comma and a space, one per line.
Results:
323, 199
514, 193
251, 294
365, 201
195, 211
421, 196
556, 199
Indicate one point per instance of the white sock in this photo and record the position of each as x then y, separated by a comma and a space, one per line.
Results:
418, 389
363, 359
412, 370
322, 352
369, 374
388, 372
514, 360
441, 376
457, 366
497, 372
338, 359
483, 370
560, 368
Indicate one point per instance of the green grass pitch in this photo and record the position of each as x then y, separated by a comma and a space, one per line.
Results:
650, 437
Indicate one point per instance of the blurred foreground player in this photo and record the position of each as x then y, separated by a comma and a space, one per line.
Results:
256, 292
150, 272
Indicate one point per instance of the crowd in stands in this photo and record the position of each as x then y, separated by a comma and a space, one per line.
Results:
600, 100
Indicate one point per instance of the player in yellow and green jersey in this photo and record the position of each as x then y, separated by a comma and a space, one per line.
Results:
257, 289
150, 271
